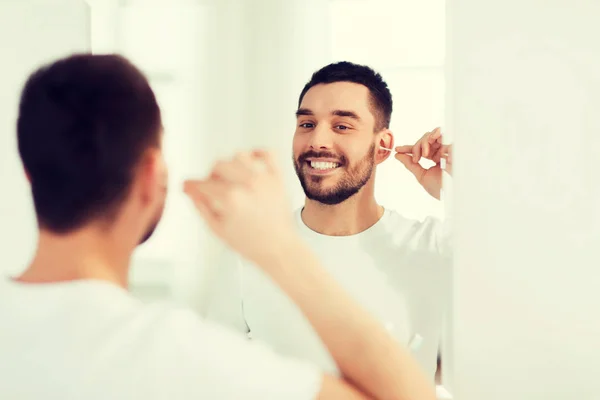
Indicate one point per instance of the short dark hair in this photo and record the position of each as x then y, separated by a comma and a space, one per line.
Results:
84, 123
344, 71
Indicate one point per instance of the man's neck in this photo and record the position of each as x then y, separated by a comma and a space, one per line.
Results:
350, 217
79, 256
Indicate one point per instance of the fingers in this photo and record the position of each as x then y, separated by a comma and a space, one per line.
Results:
211, 194
193, 188
434, 135
242, 167
267, 158
414, 167
234, 171
430, 142
440, 153
416, 152
404, 149
426, 147
214, 195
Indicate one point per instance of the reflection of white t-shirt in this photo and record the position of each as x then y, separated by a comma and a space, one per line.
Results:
93, 340
396, 270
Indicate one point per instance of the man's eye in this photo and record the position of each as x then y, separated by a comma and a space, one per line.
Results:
307, 125
342, 127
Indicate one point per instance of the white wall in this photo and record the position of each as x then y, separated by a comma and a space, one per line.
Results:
523, 105
32, 32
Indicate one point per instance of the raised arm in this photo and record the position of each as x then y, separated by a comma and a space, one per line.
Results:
244, 203
436, 180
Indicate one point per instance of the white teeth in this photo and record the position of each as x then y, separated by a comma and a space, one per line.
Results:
323, 165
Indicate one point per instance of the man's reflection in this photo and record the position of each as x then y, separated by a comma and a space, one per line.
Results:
394, 266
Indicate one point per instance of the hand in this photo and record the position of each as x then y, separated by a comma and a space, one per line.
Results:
430, 147
243, 201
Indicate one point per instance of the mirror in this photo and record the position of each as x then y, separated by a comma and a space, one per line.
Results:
248, 78
228, 76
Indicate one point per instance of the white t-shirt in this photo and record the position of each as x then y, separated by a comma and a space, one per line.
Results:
398, 270
93, 340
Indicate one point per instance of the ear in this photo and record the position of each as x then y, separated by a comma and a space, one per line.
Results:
27, 176
385, 138
152, 176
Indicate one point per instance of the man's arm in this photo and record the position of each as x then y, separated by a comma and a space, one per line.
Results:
299, 274
365, 353
243, 201
436, 180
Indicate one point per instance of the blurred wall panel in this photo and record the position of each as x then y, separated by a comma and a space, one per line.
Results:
32, 32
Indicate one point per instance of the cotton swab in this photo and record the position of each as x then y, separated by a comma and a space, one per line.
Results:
442, 160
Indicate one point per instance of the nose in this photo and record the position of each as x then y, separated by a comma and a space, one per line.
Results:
321, 138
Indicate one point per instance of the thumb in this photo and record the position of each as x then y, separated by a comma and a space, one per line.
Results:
192, 189
268, 158
414, 167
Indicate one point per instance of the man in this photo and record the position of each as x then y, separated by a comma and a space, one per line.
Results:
392, 265
89, 135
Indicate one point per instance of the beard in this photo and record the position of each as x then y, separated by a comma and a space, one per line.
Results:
347, 185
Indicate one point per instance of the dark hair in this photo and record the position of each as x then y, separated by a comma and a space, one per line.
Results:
344, 71
84, 123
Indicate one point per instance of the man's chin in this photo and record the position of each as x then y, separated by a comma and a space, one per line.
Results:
315, 194
326, 198
327, 201
148, 234
145, 238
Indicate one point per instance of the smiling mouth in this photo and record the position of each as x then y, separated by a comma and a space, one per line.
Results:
322, 165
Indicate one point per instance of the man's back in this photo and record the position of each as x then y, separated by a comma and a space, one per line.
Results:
89, 339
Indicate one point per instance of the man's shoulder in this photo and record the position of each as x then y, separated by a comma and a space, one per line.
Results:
180, 329
163, 315
395, 219
417, 233
223, 363
171, 347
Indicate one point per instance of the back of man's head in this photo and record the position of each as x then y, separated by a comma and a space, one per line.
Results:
84, 124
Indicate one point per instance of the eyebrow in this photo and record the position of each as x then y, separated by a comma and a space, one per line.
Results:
304, 111
346, 113
339, 113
